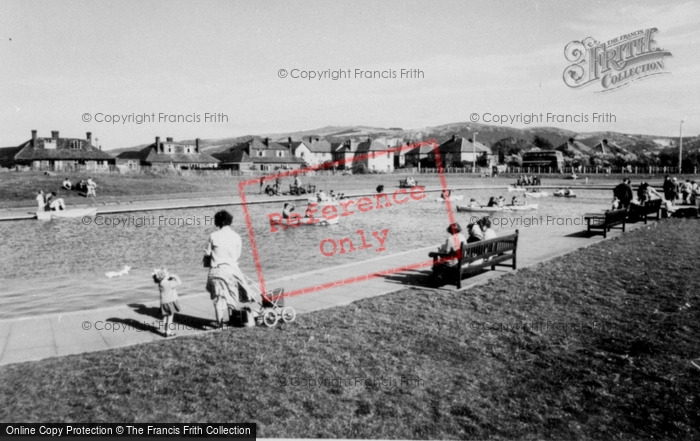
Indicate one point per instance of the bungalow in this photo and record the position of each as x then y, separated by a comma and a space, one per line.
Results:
375, 156
457, 150
168, 153
57, 154
259, 154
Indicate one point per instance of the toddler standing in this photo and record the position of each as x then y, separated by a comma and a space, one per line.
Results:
169, 304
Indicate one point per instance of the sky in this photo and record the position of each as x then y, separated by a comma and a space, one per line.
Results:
63, 60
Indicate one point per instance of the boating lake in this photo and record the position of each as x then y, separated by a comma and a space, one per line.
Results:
60, 265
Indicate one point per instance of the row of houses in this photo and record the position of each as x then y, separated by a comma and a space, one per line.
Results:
57, 153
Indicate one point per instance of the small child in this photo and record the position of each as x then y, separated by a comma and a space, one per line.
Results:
169, 304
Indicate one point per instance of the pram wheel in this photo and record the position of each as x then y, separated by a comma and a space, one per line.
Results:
288, 314
270, 318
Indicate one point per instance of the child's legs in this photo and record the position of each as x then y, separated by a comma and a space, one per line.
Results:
168, 323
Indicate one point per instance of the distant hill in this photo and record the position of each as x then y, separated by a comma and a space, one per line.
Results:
487, 134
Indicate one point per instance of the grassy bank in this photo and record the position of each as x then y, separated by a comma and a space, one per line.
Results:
420, 363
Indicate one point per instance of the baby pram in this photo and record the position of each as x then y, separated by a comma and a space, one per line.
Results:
266, 308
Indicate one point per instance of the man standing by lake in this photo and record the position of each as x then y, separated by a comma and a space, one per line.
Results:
623, 192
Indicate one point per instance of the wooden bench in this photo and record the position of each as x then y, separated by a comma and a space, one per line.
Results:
403, 183
605, 221
491, 253
650, 208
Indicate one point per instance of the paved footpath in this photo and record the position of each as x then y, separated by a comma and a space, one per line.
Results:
52, 335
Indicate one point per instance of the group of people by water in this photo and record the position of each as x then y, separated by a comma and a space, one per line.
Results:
687, 192
49, 201
529, 180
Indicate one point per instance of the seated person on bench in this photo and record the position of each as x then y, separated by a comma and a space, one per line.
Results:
455, 232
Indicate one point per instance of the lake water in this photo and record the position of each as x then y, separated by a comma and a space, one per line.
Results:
60, 266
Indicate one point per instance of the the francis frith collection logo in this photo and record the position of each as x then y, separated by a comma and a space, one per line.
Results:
615, 63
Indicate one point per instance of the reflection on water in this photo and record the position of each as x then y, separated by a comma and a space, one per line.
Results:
60, 265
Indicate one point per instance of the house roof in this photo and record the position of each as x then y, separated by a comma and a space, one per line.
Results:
370, 146
63, 151
462, 145
149, 154
574, 146
258, 143
420, 150
320, 146
609, 147
233, 157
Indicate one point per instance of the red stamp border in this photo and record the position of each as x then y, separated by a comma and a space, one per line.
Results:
349, 280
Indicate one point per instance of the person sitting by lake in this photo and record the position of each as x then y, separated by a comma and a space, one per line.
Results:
475, 232
297, 181
310, 210
454, 242
322, 196
445, 194
485, 225
501, 201
410, 181
56, 204
686, 191
47, 201
67, 184
669, 188
287, 210
492, 202
515, 201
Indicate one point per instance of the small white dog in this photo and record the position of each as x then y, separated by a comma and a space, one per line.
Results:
118, 273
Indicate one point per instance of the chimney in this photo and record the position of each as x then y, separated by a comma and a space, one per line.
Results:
33, 138
157, 144
267, 141
369, 139
196, 145
316, 139
54, 134
89, 138
168, 139
571, 140
289, 140
454, 138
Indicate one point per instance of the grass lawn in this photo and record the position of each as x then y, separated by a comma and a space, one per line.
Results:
420, 363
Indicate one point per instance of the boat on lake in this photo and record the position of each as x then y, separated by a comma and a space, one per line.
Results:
505, 208
66, 214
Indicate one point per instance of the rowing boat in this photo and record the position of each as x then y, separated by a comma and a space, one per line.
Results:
536, 194
453, 198
66, 214
506, 208
562, 195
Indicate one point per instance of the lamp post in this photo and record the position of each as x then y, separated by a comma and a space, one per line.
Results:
680, 149
474, 152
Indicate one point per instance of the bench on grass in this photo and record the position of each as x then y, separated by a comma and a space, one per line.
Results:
605, 221
650, 208
403, 183
475, 256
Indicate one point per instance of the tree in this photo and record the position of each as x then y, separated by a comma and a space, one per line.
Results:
542, 143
